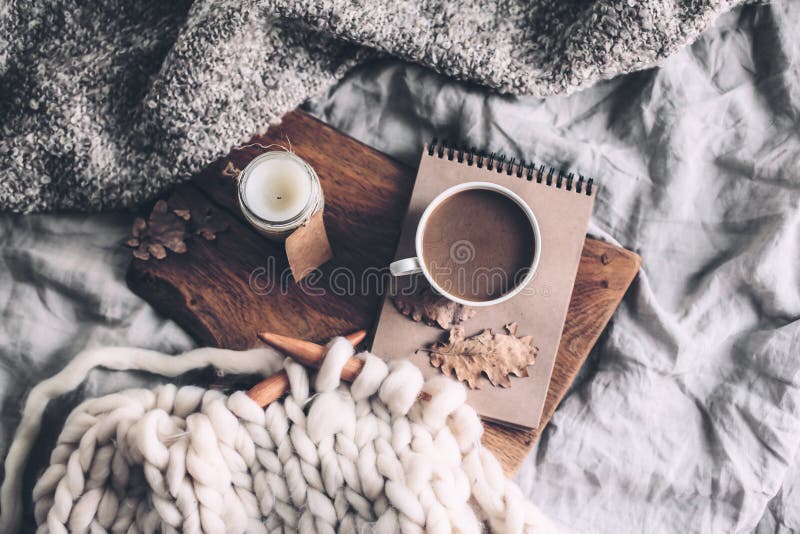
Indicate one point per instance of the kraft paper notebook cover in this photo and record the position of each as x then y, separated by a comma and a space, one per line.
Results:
562, 204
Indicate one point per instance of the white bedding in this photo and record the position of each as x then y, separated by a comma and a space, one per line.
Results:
686, 417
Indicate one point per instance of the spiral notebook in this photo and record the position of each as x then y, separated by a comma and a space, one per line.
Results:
562, 203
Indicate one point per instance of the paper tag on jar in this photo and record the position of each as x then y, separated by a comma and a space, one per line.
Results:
307, 247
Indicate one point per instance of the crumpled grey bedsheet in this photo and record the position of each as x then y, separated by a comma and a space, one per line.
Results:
686, 417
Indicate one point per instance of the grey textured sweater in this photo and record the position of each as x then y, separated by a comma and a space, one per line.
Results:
106, 103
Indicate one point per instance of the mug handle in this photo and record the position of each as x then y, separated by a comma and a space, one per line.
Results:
405, 267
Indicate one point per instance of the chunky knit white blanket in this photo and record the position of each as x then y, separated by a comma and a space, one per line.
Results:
329, 458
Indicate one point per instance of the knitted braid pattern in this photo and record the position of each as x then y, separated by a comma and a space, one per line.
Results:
365, 457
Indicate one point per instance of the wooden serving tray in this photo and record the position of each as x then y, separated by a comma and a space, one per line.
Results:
225, 291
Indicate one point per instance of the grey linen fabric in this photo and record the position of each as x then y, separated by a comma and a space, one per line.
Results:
686, 417
104, 104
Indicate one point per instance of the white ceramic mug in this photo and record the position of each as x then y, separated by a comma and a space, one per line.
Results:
416, 264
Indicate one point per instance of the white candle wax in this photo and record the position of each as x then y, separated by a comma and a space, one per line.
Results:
278, 189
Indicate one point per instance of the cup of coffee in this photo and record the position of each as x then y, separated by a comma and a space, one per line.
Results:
477, 244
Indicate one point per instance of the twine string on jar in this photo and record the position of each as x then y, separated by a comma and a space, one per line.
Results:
232, 171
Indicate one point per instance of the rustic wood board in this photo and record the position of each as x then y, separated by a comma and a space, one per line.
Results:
225, 291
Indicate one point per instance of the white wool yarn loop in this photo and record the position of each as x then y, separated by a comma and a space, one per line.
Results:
339, 350
342, 458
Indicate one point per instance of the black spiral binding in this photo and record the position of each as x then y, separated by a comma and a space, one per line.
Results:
498, 163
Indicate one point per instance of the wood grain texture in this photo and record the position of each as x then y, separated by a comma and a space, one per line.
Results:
224, 292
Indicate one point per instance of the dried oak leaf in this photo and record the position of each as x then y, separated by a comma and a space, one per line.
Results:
434, 309
162, 231
495, 355
207, 226
230, 170
183, 214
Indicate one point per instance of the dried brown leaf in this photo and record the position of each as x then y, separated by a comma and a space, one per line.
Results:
495, 355
139, 226
163, 230
230, 170
434, 309
157, 251
141, 253
167, 229
207, 225
183, 214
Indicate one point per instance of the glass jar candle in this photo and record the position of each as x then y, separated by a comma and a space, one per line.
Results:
278, 193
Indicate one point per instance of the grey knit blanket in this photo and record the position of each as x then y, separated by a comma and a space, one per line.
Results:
105, 104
